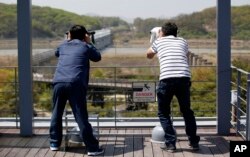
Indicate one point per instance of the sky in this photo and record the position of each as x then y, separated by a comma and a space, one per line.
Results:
130, 9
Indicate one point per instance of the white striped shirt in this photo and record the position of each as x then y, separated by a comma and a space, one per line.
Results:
172, 54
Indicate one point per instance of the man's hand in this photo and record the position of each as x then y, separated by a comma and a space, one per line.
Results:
87, 38
150, 53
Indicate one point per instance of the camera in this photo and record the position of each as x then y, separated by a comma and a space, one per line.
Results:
154, 34
92, 34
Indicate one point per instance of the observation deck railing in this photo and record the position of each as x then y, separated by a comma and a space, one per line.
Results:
110, 95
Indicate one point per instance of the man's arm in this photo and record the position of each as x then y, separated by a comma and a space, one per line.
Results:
150, 53
94, 54
57, 52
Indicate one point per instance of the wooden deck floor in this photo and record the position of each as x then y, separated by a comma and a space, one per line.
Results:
116, 142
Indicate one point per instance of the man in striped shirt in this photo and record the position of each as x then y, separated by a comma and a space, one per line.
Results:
172, 52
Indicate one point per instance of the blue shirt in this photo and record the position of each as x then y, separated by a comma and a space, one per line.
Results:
73, 61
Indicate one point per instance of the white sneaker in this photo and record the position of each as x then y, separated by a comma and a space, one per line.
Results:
54, 147
98, 152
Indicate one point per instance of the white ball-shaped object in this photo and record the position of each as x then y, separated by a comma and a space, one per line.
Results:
158, 134
75, 137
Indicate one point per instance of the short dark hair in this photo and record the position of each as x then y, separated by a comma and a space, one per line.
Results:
169, 28
77, 32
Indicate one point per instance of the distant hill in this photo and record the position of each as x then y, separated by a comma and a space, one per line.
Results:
52, 23
201, 24
204, 23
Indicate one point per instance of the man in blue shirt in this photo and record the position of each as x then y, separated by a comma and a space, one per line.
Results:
70, 83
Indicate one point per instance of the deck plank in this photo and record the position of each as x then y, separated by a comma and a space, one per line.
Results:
129, 143
214, 148
157, 152
20, 145
103, 140
10, 143
179, 152
147, 150
35, 144
44, 148
222, 145
117, 142
183, 145
110, 146
138, 143
31, 145
204, 150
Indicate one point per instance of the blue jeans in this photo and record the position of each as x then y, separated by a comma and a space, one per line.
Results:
75, 93
180, 87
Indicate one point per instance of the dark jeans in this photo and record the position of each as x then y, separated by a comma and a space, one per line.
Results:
180, 87
75, 93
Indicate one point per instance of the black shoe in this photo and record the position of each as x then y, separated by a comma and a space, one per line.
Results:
168, 147
97, 152
194, 146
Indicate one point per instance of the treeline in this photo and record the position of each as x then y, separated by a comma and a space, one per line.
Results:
50, 23
201, 24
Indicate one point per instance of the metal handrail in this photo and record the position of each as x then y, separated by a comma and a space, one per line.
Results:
114, 100
240, 102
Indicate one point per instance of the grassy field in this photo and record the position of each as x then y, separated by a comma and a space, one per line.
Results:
126, 58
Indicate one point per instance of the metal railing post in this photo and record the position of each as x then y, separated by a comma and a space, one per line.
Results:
24, 67
238, 104
223, 19
248, 109
115, 93
16, 95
